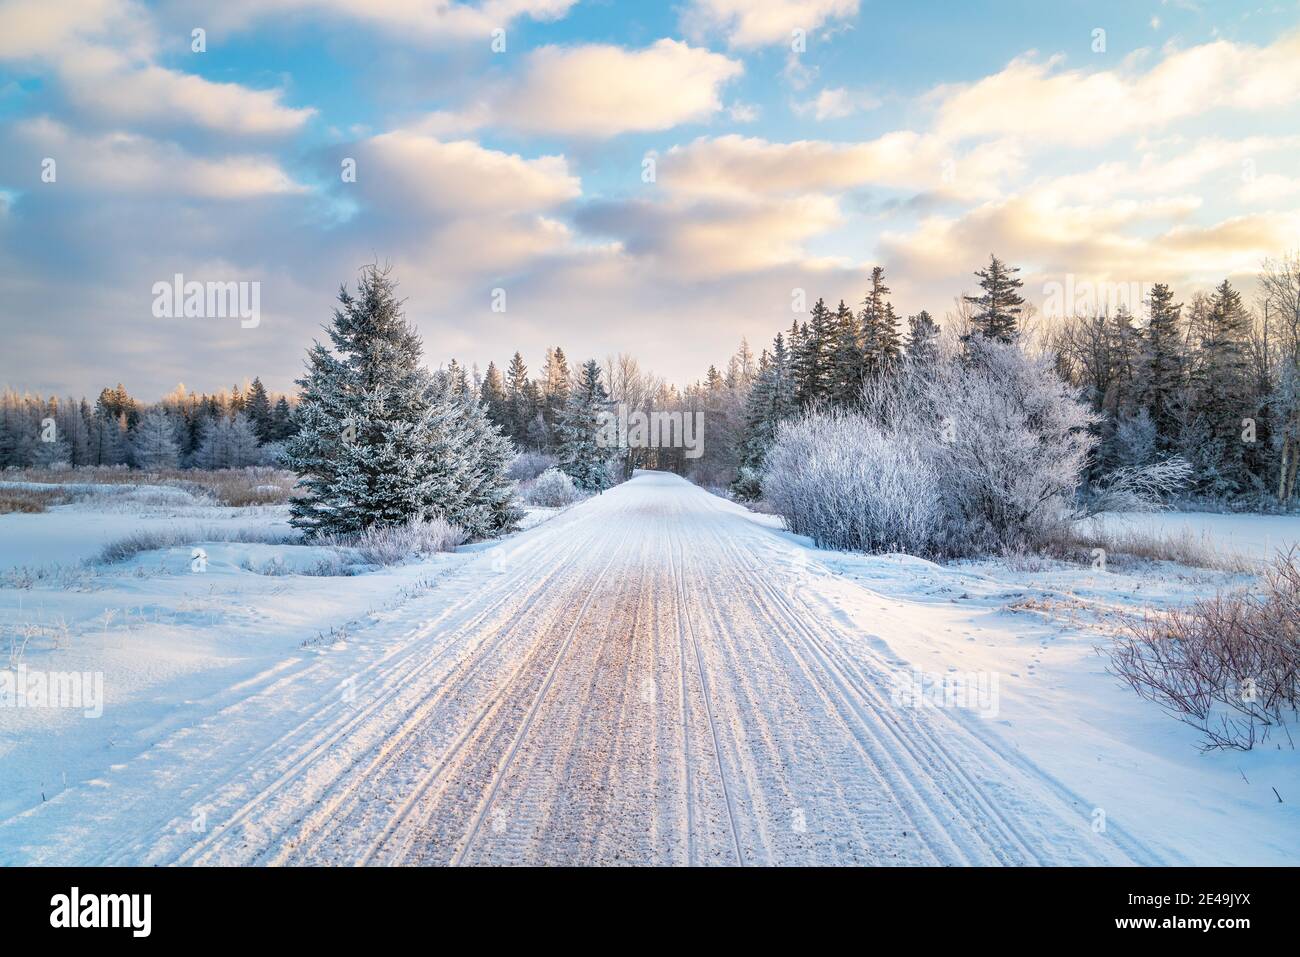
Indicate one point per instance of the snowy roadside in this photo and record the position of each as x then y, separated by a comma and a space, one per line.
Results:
1042, 627
171, 642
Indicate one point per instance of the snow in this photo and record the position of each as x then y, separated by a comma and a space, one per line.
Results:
1251, 536
653, 675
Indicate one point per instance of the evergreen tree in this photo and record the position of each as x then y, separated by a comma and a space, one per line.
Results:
486, 503
518, 400
812, 357
153, 444
555, 389
229, 443
115, 403
846, 366
372, 447
1160, 366
922, 338
1221, 395
107, 440
771, 401
998, 307
582, 457
282, 426
881, 341
258, 406
493, 396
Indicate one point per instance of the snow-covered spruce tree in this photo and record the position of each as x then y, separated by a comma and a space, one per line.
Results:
229, 443
369, 419
153, 445
998, 306
485, 503
922, 338
771, 401
582, 457
1221, 396
257, 404
380, 441
881, 343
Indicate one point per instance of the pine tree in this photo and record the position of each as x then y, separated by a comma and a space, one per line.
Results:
493, 396
582, 456
368, 449
518, 401
485, 505
107, 440
1221, 395
881, 341
998, 308
813, 355
555, 389
1160, 366
846, 366
229, 443
153, 444
258, 406
282, 427
771, 401
922, 338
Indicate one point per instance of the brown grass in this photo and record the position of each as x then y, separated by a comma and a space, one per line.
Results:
231, 487
30, 501
1128, 545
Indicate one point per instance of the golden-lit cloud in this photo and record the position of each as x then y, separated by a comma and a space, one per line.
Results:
600, 90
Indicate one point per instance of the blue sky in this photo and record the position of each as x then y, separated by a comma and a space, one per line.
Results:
922, 136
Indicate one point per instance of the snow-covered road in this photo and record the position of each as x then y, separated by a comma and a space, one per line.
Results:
647, 678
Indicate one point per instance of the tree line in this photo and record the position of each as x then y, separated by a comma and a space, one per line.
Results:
230, 428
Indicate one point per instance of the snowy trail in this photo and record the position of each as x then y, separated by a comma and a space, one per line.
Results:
644, 679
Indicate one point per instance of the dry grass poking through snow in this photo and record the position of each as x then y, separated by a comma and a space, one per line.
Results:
394, 544
1182, 548
30, 500
148, 539
232, 487
1229, 665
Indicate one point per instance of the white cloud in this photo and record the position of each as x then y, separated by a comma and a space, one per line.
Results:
835, 103
102, 81
707, 239
416, 175
747, 23
1269, 188
41, 29
1036, 99
103, 52
423, 20
128, 163
600, 90
733, 166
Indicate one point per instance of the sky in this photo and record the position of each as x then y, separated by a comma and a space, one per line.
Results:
659, 179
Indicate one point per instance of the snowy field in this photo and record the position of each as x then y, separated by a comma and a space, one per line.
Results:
653, 675
1259, 537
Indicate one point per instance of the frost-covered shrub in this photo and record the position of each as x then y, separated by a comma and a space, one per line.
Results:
394, 544
1229, 666
837, 478
527, 466
972, 455
552, 489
